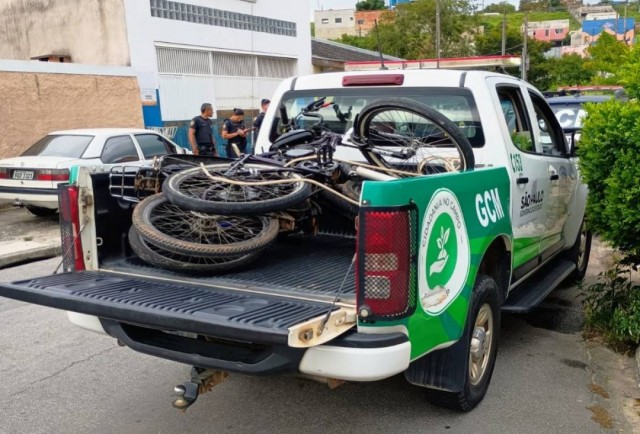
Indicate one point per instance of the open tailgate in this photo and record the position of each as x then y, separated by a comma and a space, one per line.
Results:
168, 305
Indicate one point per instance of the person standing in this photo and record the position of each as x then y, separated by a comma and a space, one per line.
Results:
257, 122
201, 132
235, 133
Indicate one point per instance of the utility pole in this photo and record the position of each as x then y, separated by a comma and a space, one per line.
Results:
624, 26
524, 46
438, 34
504, 33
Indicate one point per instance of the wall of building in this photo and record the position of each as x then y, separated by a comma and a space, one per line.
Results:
207, 39
365, 21
332, 24
38, 97
91, 32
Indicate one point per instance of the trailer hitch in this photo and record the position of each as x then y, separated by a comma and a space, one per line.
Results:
202, 381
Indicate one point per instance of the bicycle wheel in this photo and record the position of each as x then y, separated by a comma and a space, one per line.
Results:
193, 189
402, 134
162, 258
201, 234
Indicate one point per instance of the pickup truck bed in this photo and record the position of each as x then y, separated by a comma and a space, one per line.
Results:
312, 268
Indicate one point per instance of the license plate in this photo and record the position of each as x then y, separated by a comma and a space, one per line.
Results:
22, 174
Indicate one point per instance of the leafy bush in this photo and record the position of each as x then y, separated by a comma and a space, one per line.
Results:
609, 149
612, 308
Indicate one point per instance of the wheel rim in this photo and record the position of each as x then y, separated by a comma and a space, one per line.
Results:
203, 228
426, 146
198, 185
582, 247
481, 344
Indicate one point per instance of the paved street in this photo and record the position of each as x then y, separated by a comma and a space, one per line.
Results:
57, 378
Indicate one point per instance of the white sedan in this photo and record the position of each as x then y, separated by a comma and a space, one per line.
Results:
31, 180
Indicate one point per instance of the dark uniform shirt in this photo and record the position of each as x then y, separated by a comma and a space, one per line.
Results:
257, 122
241, 142
204, 135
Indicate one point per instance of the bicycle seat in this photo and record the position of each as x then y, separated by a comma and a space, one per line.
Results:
292, 138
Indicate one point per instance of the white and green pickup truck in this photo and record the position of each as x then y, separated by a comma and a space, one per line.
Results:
437, 257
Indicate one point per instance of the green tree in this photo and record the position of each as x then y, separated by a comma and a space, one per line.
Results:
539, 71
370, 5
606, 57
502, 8
490, 42
569, 70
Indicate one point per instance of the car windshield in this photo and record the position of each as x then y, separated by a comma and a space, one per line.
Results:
339, 107
70, 146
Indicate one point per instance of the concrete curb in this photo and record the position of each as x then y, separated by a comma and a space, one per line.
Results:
638, 366
40, 252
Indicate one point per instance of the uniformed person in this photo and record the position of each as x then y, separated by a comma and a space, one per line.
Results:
235, 133
201, 132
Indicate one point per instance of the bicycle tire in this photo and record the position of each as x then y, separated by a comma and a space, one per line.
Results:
192, 189
202, 234
165, 259
397, 114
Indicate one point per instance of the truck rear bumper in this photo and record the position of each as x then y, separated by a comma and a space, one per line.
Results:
356, 364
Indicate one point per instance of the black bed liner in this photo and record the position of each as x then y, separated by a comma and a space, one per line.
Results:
313, 267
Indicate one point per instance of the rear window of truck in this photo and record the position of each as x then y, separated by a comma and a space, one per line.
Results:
455, 103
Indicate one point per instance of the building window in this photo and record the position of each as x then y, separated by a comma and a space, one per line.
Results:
182, 61
215, 17
351, 18
360, 21
325, 21
338, 20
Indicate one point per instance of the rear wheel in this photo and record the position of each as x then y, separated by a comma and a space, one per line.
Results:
39, 211
162, 258
201, 234
403, 134
193, 189
482, 332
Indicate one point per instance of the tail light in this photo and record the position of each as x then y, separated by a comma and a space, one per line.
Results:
52, 175
4, 173
69, 210
386, 277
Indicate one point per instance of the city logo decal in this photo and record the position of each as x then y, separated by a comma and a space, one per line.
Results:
444, 254
488, 207
531, 202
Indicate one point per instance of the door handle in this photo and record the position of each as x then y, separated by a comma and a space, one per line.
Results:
554, 177
522, 180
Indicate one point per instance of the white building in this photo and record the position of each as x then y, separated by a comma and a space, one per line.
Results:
231, 53
332, 24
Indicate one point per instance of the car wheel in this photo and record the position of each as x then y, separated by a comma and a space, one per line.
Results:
481, 332
39, 211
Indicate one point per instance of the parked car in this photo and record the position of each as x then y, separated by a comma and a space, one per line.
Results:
31, 180
570, 111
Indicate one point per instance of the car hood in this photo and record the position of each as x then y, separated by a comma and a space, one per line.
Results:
40, 162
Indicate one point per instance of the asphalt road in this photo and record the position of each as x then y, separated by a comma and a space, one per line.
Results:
56, 378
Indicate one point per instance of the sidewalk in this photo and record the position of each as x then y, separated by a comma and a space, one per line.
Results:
24, 237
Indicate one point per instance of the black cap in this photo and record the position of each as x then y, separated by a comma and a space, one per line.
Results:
265, 101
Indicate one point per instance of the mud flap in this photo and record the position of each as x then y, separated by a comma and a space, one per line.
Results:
444, 369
